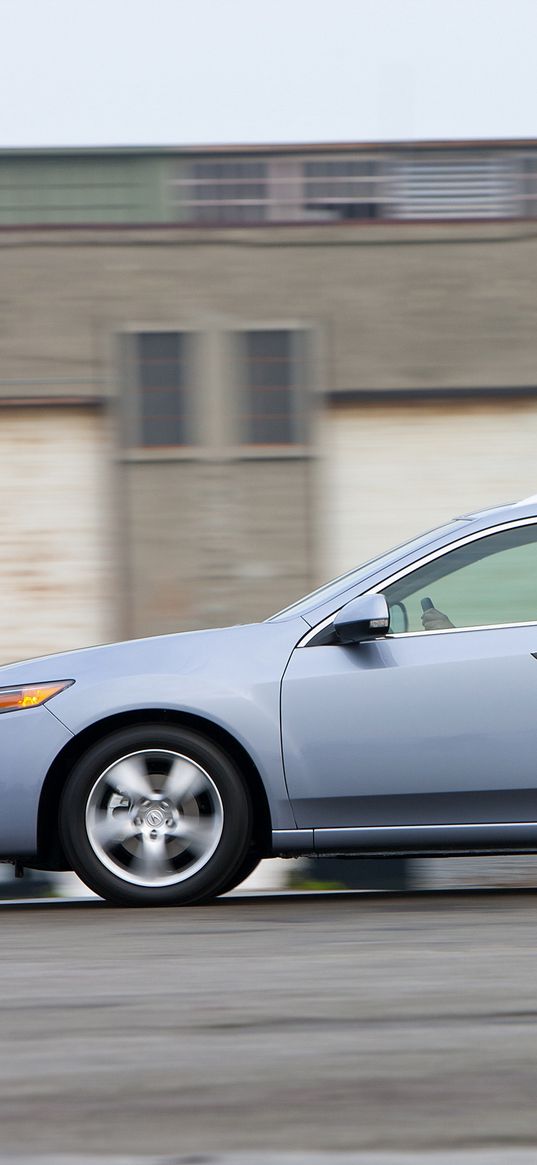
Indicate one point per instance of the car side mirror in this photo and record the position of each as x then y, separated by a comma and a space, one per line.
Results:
366, 617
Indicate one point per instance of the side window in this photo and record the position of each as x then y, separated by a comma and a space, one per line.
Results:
491, 580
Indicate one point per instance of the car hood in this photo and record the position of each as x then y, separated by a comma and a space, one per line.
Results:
186, 651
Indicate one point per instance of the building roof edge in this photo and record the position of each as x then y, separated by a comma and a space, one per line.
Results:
407, 145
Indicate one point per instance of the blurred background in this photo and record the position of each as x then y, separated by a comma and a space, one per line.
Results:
231, 372
227, 375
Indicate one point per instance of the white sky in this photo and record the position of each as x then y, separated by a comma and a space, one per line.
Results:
177, 72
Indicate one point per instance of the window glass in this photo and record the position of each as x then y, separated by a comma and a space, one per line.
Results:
229, 192
489, 581
273, 396
342, 188
164, 396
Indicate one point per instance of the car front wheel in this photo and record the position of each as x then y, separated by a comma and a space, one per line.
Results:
156, 815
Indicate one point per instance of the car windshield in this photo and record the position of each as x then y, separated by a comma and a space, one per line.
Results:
344, 582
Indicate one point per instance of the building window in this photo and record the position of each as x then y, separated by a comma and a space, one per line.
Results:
528, 197
228, 193
164, 397
446, 185
273, 397
242, 192
342, 189
405, 185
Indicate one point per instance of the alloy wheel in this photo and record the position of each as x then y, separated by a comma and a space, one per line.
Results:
154, 818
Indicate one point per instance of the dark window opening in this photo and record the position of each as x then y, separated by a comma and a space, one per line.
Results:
164, 416
272, 411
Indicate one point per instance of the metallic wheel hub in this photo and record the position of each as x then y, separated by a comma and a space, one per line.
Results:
154, 818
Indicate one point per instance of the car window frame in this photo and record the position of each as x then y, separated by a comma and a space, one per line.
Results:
411, 568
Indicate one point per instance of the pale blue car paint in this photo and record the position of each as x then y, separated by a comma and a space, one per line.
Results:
378, 753
439, 729
29, 742
230, 676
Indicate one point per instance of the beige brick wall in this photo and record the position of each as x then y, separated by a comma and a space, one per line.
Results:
55, 559
214, 543
404, 306
390, 307
388, 472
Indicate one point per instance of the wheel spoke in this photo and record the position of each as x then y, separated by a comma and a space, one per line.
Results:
113, 828
196, 832
151, 860
184, 780
130, 777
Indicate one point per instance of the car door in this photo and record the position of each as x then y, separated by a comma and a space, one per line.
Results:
419, 733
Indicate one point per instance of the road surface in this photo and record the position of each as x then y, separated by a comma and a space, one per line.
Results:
312, 1023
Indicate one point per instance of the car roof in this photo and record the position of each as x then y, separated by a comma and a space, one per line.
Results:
525, 508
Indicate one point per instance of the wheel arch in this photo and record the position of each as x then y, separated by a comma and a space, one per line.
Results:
50, 853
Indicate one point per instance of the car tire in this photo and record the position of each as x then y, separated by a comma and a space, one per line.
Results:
156, 815
247, 867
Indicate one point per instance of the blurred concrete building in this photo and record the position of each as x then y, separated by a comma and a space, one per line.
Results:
227, 374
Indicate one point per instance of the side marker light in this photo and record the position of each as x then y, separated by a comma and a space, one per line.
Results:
30, 695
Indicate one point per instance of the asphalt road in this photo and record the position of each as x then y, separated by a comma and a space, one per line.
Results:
314, 1023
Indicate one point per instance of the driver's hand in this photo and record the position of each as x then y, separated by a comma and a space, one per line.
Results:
434, 620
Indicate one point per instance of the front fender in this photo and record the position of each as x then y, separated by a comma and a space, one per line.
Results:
251, 719
29, 742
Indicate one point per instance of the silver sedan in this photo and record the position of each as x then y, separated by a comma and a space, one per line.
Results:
391, 711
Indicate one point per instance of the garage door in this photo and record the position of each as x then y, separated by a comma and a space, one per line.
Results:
54, 574
391, 471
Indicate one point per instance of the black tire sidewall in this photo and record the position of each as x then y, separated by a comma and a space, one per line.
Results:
232, 847
247, 867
